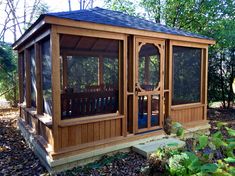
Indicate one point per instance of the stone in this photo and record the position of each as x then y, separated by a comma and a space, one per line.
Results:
147, 148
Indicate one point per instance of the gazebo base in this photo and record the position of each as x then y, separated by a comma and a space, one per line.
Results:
67, 162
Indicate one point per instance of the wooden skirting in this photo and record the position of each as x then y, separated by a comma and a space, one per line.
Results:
41, 125
70, 151
78, 154
81, 138
188, 113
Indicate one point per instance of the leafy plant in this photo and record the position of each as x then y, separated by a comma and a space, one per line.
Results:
203, 141
201, 159
178, 129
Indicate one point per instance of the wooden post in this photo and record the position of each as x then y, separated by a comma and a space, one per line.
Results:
205, 58
55, 78
162, 58
135, 80
149, 110
130, 84
20, 75
28, 79
39, 96
166, 78
170, 67
100, 70
125, 86
65, 71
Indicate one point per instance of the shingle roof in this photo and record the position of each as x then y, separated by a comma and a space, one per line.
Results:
115, 18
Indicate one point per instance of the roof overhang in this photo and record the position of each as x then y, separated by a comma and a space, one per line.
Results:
43, 19
39, 23
117, 29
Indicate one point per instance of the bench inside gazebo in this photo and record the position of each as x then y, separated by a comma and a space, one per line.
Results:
97, 81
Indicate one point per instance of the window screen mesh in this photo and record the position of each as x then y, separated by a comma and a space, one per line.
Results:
33, 77
111, 72
22, 64
82, 72
149, 67
186, 75
46, 77
89, 76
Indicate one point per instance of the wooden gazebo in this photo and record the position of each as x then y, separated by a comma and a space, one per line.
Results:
93, 81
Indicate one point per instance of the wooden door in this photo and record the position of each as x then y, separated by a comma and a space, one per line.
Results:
149, 84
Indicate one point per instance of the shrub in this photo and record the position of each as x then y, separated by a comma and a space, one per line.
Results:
208, 155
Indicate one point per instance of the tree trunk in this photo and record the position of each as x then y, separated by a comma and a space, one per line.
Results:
232, 75
69, 1
222, 81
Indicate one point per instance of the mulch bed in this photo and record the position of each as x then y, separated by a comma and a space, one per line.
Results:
16, 158
219, 114
120, 164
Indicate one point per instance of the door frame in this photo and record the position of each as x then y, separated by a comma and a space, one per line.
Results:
160, 44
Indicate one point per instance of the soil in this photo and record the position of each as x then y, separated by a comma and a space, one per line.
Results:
121, 164
16, 158
219, 114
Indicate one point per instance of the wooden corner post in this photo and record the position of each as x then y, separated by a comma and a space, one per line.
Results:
20, 75
55, 77
28, 78
125, 86
170, 79
205, 58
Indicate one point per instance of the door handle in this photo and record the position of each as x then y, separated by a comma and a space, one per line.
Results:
137, 88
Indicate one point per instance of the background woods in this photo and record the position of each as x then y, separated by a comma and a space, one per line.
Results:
17, 16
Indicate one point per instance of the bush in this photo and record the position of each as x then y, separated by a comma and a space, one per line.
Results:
207, 155
8, 74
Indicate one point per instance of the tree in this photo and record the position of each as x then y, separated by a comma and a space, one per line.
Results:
18, 16
16, 21
86, 4
126, 6
8, 73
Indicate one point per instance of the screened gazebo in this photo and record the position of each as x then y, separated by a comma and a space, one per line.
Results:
93, 81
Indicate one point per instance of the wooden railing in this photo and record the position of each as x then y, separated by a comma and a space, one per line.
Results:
88, 103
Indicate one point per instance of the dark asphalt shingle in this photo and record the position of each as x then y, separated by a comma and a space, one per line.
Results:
115, 18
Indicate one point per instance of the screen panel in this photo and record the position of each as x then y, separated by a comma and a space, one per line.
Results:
33, 76
149, 67
186, 75
46, 77
90, 76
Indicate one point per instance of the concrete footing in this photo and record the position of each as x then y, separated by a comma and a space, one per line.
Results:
148, 148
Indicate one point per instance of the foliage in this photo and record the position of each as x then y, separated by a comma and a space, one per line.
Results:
177, 129
209, 155
8, 73
87, 67
126, 6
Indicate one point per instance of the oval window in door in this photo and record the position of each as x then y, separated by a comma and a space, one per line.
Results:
149, 67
